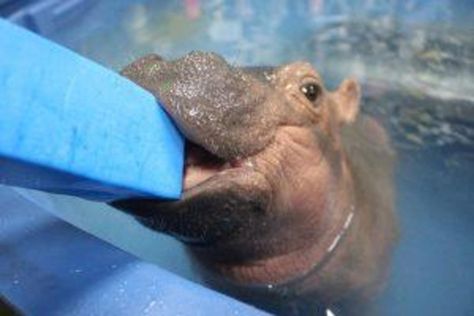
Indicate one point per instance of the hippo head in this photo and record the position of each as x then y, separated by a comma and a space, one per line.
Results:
268, 188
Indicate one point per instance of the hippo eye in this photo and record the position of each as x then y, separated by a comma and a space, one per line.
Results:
311, 91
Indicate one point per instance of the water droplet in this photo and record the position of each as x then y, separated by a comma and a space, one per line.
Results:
193, 112
149, 307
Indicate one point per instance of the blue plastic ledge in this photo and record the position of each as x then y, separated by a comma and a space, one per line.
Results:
48, 267
70, 126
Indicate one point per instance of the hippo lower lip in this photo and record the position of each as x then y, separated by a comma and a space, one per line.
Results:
201, 165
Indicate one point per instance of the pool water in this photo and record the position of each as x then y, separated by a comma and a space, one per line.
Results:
415, 62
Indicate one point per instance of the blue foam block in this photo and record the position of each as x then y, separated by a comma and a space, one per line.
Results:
68, 125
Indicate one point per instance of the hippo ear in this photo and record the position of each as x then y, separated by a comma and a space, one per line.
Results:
347, 98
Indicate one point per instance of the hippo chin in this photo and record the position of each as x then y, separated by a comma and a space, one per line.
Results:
288, 191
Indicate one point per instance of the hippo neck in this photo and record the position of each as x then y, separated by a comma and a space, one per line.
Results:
269, 272
292, 267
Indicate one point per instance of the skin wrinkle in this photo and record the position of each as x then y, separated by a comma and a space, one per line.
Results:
290, 170
313, 217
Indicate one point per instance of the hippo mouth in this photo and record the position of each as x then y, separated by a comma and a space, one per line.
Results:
202, 165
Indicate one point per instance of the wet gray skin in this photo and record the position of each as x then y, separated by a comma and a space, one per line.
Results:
287, 188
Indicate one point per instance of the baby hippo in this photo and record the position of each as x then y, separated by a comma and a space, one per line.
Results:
288, 197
